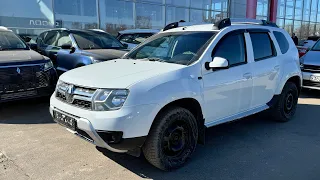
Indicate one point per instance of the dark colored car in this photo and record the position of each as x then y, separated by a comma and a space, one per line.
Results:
23, 73
74, 48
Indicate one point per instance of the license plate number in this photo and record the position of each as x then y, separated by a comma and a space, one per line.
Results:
65, 120
315, 78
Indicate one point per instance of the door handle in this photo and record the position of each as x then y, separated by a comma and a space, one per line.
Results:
247, 75
277, 68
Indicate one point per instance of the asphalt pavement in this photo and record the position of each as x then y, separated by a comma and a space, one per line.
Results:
32, 146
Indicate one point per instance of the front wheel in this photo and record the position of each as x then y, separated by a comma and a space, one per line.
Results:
286, 106
172, 139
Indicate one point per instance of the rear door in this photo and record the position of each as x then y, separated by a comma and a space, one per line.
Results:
265, 67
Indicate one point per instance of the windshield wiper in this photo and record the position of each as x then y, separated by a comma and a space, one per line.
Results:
153, 59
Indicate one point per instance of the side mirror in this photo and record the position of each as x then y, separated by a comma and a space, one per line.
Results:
33, 46
125, 45
66, 46
217, 63
27, 39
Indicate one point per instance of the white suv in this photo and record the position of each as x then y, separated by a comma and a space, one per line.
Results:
162, 96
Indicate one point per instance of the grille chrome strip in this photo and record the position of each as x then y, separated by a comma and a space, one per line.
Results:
75, 95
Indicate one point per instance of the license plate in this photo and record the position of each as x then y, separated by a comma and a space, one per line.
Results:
65, 120
315, 78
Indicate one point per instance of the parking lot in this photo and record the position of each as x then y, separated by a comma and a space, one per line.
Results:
34, 147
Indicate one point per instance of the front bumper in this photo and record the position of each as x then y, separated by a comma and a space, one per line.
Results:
307, 83
118, 131
32, 93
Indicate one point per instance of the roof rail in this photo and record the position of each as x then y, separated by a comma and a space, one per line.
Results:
229, 21
180, 23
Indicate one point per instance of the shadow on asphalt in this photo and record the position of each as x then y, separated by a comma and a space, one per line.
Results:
251, 148
310, 93
30, 111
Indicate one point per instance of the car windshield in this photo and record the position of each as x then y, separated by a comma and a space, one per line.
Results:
9, 41
316, 47
175, 47
96, 40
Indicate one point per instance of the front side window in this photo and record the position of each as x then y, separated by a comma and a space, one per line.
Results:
50, 38
316, 47
232, 48
174, 47
96, 40
262, 46
9, 41
282, 41
63, 39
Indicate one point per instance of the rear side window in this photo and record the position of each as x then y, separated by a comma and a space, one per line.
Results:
282, 41
233, 49
263, 48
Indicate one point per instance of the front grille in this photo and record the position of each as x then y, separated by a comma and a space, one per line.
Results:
80, 97
16, 79
311, 68
311, 83
84, 135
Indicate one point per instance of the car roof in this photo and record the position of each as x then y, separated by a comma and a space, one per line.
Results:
128, 31
78, 30
2, 28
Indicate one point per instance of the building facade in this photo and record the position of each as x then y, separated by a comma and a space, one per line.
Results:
34, 16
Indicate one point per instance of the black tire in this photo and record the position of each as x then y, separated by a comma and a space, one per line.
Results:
172, 139
286, 106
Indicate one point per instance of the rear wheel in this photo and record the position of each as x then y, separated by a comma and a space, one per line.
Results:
172, 139
286, 106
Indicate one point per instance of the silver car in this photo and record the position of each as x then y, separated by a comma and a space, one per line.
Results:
310, 67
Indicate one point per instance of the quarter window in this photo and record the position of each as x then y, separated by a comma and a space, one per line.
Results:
232, 48
282, 41
262, 46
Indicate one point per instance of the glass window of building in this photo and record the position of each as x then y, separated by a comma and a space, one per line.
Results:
76, 14
289, 9
305, 30
262, 9
313, 14
149, 16
297, 28
27, 17
185, 3
312, 29
288, 26
116, 15
174, 14
201, 4
281, 8
298, 10
280, 23
153, 1
306, 10
200, 16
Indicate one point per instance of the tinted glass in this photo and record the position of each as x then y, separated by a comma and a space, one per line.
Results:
232, 48
179, 48
50, 38
94, 40
9, 41
135, 38
316, 47
262, 47
282, 41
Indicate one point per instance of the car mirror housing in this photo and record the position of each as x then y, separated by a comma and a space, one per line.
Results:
217, 63
66, 46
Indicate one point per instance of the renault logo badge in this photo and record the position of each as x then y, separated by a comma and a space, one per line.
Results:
18, 70
69, 94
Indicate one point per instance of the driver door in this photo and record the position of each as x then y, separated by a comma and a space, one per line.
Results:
227, 92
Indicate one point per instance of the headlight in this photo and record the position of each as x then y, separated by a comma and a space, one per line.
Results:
109, 99
48, 65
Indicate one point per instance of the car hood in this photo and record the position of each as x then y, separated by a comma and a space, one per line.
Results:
312, 58
104, 54
120, 73
19, 56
